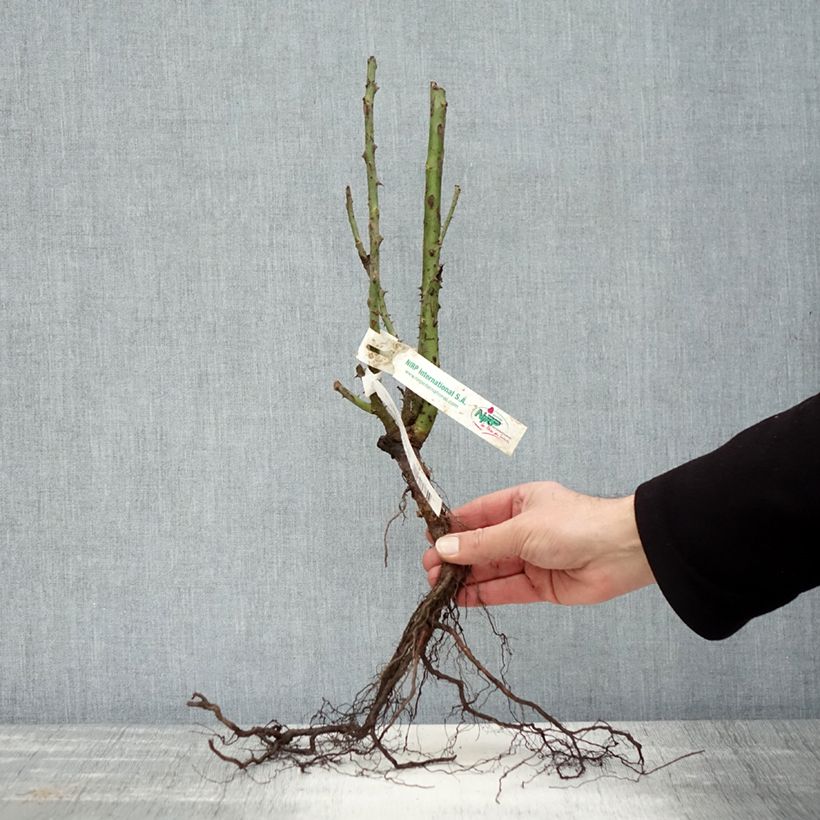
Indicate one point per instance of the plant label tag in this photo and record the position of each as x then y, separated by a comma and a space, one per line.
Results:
383, 351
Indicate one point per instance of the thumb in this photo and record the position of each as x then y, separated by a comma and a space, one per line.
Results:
481, 545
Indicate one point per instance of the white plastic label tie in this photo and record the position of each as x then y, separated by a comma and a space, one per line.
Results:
371, 382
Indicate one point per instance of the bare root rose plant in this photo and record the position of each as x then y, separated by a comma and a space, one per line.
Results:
365, 731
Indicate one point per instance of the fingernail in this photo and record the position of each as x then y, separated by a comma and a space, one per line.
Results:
447, 545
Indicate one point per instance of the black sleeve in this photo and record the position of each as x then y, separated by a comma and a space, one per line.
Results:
736, 533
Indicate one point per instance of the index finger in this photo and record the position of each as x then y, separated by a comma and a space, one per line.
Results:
487, 510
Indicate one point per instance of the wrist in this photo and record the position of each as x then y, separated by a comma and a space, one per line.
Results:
624, 527
625, 541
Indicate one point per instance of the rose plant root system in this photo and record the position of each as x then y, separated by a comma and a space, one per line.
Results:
361, 732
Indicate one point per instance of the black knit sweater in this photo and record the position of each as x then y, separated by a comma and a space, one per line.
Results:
736, 533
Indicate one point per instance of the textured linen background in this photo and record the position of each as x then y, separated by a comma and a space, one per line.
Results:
632, 272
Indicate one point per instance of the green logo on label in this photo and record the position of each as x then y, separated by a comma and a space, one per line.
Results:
487, 417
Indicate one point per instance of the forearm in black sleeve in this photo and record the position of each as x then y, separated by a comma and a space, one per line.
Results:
736, 533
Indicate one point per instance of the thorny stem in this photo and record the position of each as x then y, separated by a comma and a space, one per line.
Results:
427, 415
376, 303
362, 404
375, 298
431, 269
419, 413
351, 218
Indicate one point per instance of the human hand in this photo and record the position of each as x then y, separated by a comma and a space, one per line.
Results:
543, 542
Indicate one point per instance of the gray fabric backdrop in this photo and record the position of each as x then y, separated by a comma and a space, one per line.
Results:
632, 272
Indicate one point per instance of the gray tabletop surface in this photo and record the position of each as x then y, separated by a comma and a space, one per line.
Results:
748, 769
